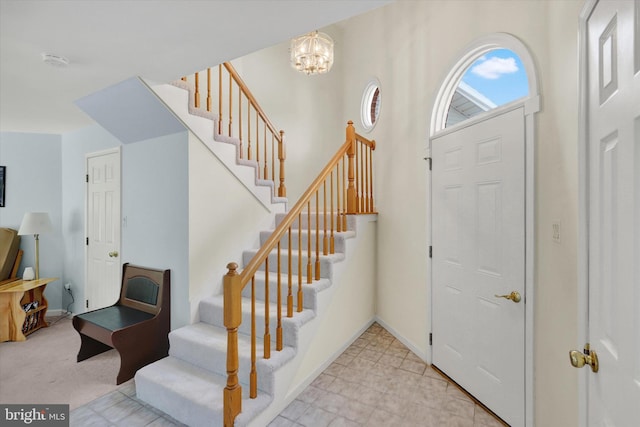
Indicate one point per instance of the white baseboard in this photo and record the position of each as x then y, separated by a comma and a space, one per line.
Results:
415, 350
58, 312
304, 384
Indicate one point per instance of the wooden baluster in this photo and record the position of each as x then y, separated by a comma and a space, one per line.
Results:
209, 89
372, 208
273, 160
367, 204
338, 195
230, 105
290, 284
267, 331
300, 262
248, 131
240, 120
266, 167
351, 152
253, 375
257, 143
325, 239
282, 190
196, 101
279, 303
232, 395
220, 99
309, 253
317, 235
356, 174
344, 195
332, 245
363, 188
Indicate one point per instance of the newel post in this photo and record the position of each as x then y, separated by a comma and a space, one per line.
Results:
282, 155
351, 152
232, 320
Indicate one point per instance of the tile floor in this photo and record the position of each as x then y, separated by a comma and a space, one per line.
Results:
377, 381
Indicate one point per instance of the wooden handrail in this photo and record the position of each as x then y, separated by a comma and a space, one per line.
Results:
257, 260
243, 86
351, 196
240, 124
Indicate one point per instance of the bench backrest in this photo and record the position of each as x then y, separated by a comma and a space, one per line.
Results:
145, 289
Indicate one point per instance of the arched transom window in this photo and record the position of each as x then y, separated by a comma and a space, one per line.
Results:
496, 78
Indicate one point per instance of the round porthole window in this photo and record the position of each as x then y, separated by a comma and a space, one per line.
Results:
370, 109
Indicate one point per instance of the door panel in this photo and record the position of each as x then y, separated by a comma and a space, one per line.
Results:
103, 230
478, 252
613, 188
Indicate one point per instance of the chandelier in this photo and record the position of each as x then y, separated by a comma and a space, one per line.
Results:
312, 53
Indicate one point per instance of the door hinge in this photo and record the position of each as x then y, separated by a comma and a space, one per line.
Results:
86, 303
430, 338
87, 178
87, 241
428, 159
430, 251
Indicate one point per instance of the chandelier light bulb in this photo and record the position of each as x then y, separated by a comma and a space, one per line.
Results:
312, 53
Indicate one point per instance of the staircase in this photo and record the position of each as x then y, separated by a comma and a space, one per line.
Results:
188, 385
284, 308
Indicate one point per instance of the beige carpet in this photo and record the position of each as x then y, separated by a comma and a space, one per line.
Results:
43, 369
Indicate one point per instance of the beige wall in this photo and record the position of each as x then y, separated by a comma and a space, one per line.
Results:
217, 199
410, 46
307, 108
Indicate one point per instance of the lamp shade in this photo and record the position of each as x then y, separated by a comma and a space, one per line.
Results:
35, 223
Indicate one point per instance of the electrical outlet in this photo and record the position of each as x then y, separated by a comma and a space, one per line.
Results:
555, 231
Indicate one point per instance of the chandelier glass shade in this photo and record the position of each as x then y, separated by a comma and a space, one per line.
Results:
312, 53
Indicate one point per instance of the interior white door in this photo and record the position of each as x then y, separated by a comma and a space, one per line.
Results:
103, 229
478, 237
614, 212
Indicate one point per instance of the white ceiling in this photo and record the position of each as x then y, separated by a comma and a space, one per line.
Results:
108, 41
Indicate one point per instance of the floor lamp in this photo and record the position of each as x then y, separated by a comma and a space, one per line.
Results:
35, 223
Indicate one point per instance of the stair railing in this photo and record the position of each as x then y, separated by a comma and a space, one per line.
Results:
259, 139
343, 187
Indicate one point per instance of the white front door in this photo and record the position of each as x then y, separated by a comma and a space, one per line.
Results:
103, 229
613, 150
478, 237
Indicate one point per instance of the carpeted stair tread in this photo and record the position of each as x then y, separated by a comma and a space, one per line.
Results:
339, 239
309, 290
212, 312
326, 261
190, 394
205, 346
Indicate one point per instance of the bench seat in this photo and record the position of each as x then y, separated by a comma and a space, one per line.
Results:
136, 326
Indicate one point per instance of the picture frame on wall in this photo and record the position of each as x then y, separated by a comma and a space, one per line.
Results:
3, 184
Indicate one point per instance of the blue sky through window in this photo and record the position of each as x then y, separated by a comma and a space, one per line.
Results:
499, 75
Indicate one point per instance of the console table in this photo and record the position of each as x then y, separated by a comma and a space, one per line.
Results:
15, 322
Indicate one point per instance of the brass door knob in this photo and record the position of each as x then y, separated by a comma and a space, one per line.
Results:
513, 296
113, 254
586, 357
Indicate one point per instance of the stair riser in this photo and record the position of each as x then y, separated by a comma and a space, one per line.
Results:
213, 314
214, 360
338, 240
325, 263
260, 290
177, 405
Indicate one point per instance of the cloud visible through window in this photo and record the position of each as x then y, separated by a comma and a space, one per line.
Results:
495, 67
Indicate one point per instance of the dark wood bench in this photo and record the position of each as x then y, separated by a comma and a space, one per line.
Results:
137, 326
